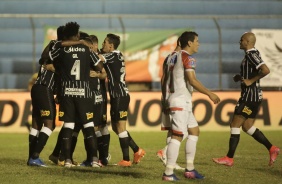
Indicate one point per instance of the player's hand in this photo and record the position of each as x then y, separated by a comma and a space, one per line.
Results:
214, 98
94, 73
246, 82
49, 67
237, 78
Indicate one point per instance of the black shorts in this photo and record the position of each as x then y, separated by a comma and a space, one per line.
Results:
43, 103
74, 109
247, 109
119, 107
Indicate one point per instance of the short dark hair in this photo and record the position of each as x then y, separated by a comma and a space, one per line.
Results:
114, 39
88, 39
60, 33
187, 36
83, 35
94, 38
71, 29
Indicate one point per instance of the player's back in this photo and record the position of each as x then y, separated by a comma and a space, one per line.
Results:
75, 63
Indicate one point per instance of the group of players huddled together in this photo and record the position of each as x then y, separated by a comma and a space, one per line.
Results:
74, 70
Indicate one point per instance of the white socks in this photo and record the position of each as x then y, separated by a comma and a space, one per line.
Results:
172, 155
190, 151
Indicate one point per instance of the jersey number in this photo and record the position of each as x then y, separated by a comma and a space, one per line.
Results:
76, 69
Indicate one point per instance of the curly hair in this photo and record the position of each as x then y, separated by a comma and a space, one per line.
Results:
71, 29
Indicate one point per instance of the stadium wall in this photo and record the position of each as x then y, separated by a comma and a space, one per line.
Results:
145, 111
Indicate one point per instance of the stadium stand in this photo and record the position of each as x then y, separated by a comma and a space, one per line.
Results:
16, 44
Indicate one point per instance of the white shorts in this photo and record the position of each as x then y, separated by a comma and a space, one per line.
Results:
182, 120
166, 122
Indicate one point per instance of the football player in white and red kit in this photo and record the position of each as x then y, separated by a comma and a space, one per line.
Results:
182, 81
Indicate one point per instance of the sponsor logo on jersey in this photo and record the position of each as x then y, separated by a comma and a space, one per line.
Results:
192, 62
122, 114
61, 113
247, 110
98, 98
74, 49
89, 115
75, 91
45, 113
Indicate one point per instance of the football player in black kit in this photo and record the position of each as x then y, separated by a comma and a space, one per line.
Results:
100, 126
103, 144
119, 98
43, 106
253, 68
74, 63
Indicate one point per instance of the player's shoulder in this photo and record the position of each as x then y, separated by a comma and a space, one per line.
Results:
114, 54
252, 51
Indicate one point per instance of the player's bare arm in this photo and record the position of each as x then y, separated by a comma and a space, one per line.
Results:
94, 73
200, 87
264, 70
103, 74
75, 42
49, 67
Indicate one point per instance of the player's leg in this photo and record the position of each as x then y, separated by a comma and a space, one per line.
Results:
43, 137
54, 157
120, 127
234, 139
260, 137
104, 129
36, 123
237, 121
48, 114
118, 122
84, 106
100, 143
98, 117
179, 119
76, 130
166, 125
67, 111
32, 138
191, 147
106, 143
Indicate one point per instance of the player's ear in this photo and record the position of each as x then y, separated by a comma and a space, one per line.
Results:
188, 43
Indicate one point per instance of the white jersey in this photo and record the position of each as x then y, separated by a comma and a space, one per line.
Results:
181, 96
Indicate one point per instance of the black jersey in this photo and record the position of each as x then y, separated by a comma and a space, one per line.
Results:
115, 68
250, 68
74, 67
45, 78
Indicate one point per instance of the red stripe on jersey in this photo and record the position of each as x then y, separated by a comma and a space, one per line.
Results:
188, 61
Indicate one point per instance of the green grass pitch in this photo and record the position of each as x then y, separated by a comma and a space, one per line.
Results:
250, 166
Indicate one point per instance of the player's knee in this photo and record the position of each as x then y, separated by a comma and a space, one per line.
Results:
177, 136
104, 130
